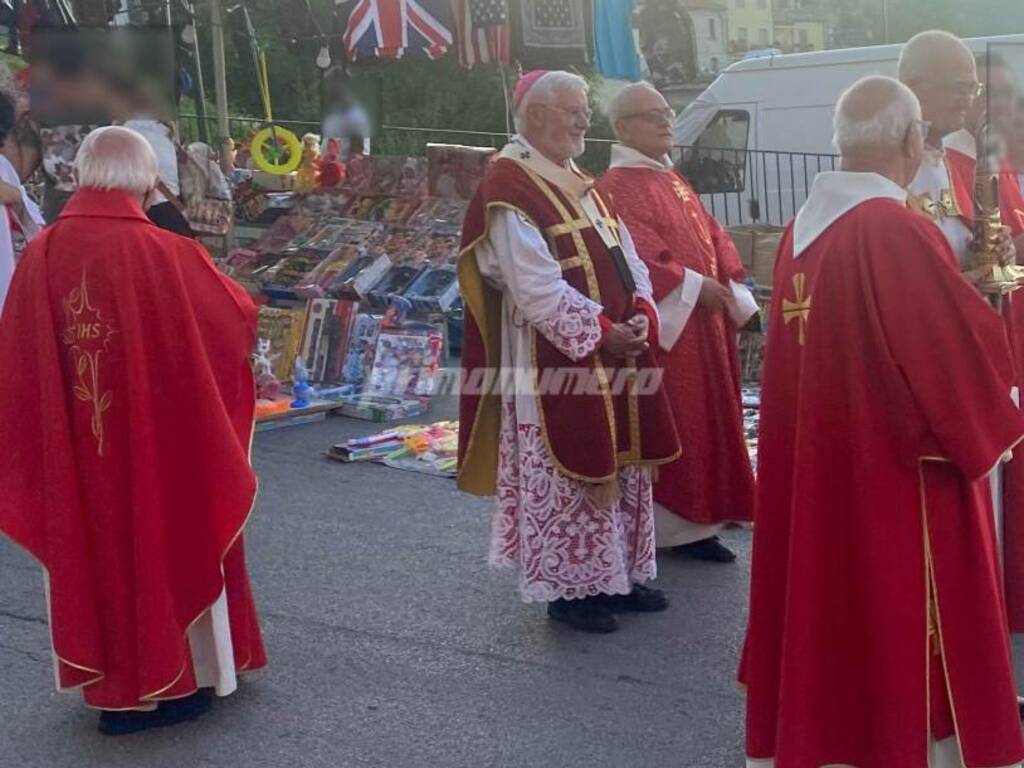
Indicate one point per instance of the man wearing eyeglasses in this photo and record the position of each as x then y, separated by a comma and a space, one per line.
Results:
943, 73
559, 310
698, 284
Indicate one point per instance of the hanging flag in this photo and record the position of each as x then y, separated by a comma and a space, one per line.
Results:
483, 31
390, 29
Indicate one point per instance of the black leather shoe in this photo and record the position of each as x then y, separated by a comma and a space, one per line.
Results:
192, 707
171, 712
1020, 706
587, 615
711, 550
124, 723
641, 600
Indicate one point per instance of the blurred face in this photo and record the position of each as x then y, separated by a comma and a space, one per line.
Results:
646, 124
947, 94
999, 98
558, 127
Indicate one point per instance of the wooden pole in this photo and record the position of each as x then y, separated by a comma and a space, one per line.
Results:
220, 80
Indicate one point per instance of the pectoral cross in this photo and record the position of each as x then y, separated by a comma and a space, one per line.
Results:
800, 309
524, 155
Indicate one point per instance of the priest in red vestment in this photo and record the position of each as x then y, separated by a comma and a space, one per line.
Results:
877, 634
563, 414
997, 105
698, 283
943, 73
126, 377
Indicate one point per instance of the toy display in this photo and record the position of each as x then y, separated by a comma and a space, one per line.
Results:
405, 364
359, 270
431, 448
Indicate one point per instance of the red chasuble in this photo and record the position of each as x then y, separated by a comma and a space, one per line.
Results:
590, 434
877, 617
712, 480
962, 172
128, 393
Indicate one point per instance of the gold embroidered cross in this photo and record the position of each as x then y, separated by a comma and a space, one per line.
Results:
799, 309
681, 191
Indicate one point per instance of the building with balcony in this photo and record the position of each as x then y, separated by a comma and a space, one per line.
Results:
751, 26
799, 25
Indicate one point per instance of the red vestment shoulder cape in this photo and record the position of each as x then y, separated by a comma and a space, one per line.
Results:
127, 401
589, 434
1011, 204
712, 480
875, 579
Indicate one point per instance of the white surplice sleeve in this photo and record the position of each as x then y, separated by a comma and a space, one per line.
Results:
515, 259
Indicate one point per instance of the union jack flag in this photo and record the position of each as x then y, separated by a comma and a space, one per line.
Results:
483, 31
390, 29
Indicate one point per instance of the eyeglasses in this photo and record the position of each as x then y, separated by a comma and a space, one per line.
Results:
667, 115
575, 114
961, 89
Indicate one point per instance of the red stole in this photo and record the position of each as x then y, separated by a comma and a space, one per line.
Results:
875, 580
591, 434
132, 350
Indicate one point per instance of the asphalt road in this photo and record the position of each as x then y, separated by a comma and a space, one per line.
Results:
393, 645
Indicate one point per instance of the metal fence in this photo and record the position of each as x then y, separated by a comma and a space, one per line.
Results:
747, 186
737, 186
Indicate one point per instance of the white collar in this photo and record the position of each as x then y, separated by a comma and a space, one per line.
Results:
962, 141
833, 194
568, 177
627, 157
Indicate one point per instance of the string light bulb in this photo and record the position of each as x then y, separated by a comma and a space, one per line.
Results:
188, 34
323, 59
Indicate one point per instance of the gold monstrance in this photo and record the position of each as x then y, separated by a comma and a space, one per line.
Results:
994, 277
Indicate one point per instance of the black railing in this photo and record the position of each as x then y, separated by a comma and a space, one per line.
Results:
738, 186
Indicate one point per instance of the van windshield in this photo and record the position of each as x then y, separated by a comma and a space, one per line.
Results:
717, 160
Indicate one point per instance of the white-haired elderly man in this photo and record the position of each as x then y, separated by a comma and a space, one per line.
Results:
877, 632
943, 73
562, 411
126, 377
698, 283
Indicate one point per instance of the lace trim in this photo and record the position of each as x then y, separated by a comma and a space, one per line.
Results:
574, 328
547, 528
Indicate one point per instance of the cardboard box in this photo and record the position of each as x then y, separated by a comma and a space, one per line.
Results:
315, 337
757, 244
274, 182
435, 291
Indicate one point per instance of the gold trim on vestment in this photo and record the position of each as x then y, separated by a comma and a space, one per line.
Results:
155, 696
578, 225
932, 601
562, 469
478, 469
574, 262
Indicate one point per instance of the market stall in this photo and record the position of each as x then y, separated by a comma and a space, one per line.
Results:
359, 285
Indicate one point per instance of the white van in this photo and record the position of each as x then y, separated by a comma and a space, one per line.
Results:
756, 137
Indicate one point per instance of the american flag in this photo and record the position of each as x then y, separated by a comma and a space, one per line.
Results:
483, 31
389, 29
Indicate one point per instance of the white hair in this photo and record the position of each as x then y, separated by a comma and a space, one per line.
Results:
856, 127
541, 91
115, 157
919, 54
617, 105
